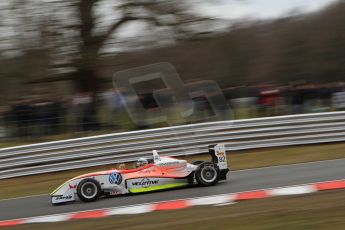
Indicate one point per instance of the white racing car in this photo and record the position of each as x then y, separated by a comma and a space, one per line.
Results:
157, 173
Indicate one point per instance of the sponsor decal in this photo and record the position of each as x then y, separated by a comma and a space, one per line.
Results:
145, 183
115, 178
221, 156
68, 197
72, 186
219, 153
168, 163
115, 192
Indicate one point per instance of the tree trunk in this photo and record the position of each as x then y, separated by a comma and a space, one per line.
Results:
86, 80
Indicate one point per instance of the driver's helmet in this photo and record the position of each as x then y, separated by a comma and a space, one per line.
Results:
141, 162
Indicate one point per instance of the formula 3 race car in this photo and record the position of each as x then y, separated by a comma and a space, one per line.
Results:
160, 172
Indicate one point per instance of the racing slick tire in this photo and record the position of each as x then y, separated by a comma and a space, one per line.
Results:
89, 190
207, 174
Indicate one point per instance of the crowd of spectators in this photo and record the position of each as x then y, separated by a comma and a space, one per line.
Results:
41, 115
300, 97
33, 116
272, 99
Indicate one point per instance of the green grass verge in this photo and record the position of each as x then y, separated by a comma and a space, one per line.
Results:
44, 184
323, 210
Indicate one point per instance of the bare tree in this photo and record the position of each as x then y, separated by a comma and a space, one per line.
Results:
78, 32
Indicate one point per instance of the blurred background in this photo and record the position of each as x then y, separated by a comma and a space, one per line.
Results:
268, 58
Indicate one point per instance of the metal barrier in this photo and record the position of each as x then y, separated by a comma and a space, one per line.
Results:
175, 141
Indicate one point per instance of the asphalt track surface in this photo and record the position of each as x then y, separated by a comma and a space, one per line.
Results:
244, 180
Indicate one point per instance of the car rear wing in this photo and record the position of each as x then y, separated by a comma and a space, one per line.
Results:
218, 155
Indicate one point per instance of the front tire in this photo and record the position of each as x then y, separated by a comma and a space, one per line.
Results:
207, 174
89, 190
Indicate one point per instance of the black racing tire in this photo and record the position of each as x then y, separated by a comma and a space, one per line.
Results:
89, 190
197, 162
207, 174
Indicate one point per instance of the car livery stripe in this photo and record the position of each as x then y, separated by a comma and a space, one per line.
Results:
81, 177
94, 174
52, 193
125, 171
216, 200
158, 187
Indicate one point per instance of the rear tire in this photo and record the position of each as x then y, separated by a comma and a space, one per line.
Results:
207, 174
89, 190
